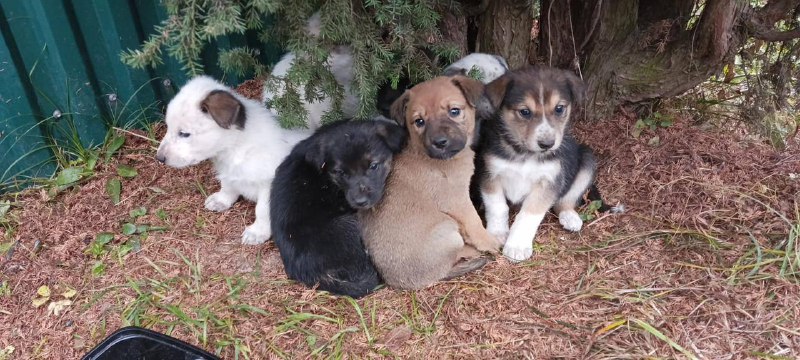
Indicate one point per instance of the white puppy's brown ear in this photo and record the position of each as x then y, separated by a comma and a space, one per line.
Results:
224, 108
398, 110
496, 90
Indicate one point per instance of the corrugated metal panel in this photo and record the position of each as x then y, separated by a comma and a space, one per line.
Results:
62, 57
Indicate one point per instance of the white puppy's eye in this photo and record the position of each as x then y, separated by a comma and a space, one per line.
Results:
204, 108
183, 134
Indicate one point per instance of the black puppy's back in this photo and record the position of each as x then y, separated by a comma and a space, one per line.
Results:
316, 230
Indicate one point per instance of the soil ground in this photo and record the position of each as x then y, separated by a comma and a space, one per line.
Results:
696, 267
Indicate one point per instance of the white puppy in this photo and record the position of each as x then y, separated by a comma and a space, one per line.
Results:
208, 120
490, 66
340, 63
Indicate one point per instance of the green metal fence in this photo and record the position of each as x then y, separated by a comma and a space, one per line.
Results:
61, 77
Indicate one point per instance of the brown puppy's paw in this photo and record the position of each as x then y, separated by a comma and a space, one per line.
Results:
487, 243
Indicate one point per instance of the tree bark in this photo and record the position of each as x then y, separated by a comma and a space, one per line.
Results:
505, 29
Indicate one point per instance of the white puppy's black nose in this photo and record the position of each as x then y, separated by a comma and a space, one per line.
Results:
161, 158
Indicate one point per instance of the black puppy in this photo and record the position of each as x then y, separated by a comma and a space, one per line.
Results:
316, 192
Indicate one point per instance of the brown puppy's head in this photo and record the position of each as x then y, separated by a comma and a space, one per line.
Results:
534, 105
440, 114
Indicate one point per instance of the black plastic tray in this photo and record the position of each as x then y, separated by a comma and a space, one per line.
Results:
135, 343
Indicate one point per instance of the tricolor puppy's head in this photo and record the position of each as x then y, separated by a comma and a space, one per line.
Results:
534, 105
440, 114
202, 121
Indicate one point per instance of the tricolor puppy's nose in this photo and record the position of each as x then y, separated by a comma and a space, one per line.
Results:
440, 142
546, 144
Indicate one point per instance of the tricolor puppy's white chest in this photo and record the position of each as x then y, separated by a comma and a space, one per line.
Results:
518, 178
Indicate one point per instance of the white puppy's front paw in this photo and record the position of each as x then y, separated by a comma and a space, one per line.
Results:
570, 220
518, 253
256, 234
219, 202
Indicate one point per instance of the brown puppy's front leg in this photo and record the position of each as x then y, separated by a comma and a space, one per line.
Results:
472, 229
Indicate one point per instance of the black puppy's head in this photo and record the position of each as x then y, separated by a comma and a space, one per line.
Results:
357, 156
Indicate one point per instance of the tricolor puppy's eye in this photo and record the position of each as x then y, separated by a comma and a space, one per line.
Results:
419, 122
183, 134
455, 112
526, 113
559, 110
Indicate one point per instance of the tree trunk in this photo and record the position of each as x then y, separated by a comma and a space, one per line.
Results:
630, 51
505, 29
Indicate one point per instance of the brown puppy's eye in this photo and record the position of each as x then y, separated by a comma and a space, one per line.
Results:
419, 122
455, 112
525, 113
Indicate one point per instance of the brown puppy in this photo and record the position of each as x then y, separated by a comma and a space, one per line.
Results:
425, 229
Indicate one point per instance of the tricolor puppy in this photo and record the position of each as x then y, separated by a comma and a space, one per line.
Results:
208, 120
425, 229
530, 159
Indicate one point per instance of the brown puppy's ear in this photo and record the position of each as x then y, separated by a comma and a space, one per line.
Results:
577, 87
496, 90
471, 88
224, 108
394, 136
398, 110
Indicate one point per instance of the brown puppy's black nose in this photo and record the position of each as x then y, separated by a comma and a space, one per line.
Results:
161, 158
546, 144
440, 142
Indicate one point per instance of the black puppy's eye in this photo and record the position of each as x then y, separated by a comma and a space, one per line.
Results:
183, 134
559, 110
526, 113
337, 172
455, 112
419, 122
374, 165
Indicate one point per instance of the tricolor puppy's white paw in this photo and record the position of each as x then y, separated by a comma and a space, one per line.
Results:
219, 201
570, 220
256, 234
518, 253
500, 234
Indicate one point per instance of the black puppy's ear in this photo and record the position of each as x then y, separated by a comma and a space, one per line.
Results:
577, 87
224, 108
398, 110
394, 136
315, 155
496, 90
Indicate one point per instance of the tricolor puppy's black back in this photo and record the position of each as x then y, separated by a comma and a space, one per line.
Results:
528, 156
317, 190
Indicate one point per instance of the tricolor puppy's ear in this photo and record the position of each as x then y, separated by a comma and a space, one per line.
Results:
398, 110
394, 136
577, 87
224, 108
496, 90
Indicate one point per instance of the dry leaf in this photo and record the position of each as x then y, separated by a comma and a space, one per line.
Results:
43, 291
398, 337
69, 293
57, 307
39, 301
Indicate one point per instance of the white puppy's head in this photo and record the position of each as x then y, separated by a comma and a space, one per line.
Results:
203, 120
490, 66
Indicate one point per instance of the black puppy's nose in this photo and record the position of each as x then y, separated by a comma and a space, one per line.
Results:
361, 202
440, 142
546, 144
161, 158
